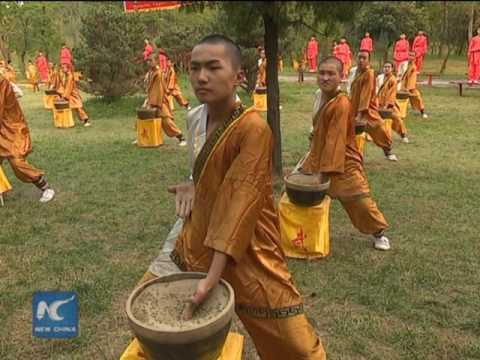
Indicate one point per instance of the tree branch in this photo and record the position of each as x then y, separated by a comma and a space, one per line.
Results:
301, 22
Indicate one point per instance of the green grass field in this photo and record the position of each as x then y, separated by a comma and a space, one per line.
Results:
112, 213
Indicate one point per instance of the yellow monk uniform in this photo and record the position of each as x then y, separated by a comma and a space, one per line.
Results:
409, 83
173, 89
333, 151
32, 76
54, 79
70, 91
157, 97
9, 73
387, 99
262, 74
15, 143
362, 96
234, 213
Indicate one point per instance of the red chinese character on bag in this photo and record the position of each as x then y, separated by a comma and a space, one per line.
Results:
298, 241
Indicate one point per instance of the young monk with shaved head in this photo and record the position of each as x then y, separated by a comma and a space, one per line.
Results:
231, 228
364, 106
334, 155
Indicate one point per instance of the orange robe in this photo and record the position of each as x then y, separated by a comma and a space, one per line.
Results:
70, 91
409, 83
157, 97
54, 79
262, 74
32, 76
234, 213
362, 95
9, 73
172, 87
387, 99
15, 142
333, 151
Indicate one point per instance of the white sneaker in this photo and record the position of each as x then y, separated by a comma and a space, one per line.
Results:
392, 157
47, 195
405, 140
381, 243
182, 143
189, 108
425, 116
87, 124
134, 142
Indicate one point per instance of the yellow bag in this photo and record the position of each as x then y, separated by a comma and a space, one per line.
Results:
304, 230
232, 350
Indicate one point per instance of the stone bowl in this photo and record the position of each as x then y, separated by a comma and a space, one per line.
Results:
305, 190
153, 310
61, 104
146, 113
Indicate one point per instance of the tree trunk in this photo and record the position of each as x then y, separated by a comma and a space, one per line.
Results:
444, 62
444, 48
273, 90
470, 21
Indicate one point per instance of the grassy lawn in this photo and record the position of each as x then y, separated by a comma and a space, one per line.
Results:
112, 213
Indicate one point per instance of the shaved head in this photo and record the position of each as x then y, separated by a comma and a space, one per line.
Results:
333, 60
231, 49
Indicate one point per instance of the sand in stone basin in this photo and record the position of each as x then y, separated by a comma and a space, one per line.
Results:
301, 179
160, 305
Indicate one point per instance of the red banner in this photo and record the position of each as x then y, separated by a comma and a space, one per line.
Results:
132, 6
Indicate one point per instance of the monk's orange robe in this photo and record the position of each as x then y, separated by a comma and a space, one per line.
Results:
15, 142
409, 83
362, 95
32, 76
8, 71
262, 74
387, 99
333, 151
173, 89
157, 97
234, 213
70, 91
54, 80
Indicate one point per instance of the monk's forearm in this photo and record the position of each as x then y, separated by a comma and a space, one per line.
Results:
217, 267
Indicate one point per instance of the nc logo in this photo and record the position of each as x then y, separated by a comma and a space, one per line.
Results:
51, 310
55, 314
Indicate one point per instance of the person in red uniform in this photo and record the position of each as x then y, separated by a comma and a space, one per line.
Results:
420, 46
42, 66
312, 53
474, 59
400, 52
344, 54
66, 56
148, 50
367, 43
162, 60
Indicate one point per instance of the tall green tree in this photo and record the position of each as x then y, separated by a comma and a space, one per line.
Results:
111, 42
27, 28
387, 20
